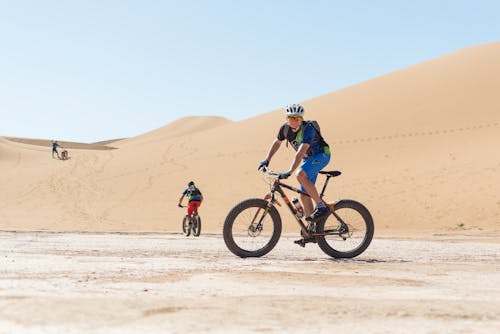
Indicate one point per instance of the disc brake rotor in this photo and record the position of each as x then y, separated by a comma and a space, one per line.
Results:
254, 230
346, 231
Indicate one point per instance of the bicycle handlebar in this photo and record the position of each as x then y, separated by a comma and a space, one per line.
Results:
269, 171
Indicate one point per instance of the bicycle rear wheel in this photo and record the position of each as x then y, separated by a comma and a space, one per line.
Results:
186, 226
196, 226
347, 232
251, 228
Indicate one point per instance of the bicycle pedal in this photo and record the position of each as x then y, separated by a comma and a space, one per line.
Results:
300, 242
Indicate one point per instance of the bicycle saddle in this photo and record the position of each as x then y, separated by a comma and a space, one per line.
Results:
331, 173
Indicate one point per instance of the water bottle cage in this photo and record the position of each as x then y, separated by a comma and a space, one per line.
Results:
299, 211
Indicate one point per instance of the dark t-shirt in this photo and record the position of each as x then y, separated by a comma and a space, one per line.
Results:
192, 195
306, 134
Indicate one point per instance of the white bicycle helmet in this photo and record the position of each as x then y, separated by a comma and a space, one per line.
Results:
294, 110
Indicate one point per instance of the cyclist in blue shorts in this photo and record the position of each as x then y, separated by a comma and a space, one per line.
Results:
312, 155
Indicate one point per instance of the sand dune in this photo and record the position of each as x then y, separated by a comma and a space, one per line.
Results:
65, 144
181, 127
417, 146
108, 142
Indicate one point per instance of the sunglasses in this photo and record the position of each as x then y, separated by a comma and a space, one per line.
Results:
294, 118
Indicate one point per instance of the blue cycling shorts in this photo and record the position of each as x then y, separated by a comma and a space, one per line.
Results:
311, 166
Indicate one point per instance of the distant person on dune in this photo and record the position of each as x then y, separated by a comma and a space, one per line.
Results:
312, 155
55, 145
194, 198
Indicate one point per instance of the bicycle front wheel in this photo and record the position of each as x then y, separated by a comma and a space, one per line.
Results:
252, 229
346, 232
196, 226
186, 228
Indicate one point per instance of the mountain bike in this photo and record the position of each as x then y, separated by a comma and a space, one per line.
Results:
191, 222
253, 227
64, 154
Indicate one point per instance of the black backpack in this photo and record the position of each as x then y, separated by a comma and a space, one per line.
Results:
316, 127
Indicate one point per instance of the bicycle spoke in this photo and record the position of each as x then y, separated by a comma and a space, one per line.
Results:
252, 228
345, 236
252, 234
348, 231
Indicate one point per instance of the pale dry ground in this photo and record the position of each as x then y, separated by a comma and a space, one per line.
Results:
166, 283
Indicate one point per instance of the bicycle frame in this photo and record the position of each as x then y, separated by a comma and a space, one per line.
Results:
278, 186
193, 215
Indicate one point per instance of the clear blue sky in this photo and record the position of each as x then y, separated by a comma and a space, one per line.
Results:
95, 70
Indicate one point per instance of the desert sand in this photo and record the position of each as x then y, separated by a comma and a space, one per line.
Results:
419, 147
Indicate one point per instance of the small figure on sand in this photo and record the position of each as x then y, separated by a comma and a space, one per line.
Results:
194, 198
64, 154
55, 145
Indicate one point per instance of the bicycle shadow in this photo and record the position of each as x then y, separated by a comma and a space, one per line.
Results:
358, 260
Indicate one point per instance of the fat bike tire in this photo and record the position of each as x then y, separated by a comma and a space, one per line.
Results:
186, 229
353, 242
238, 235
197, 226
